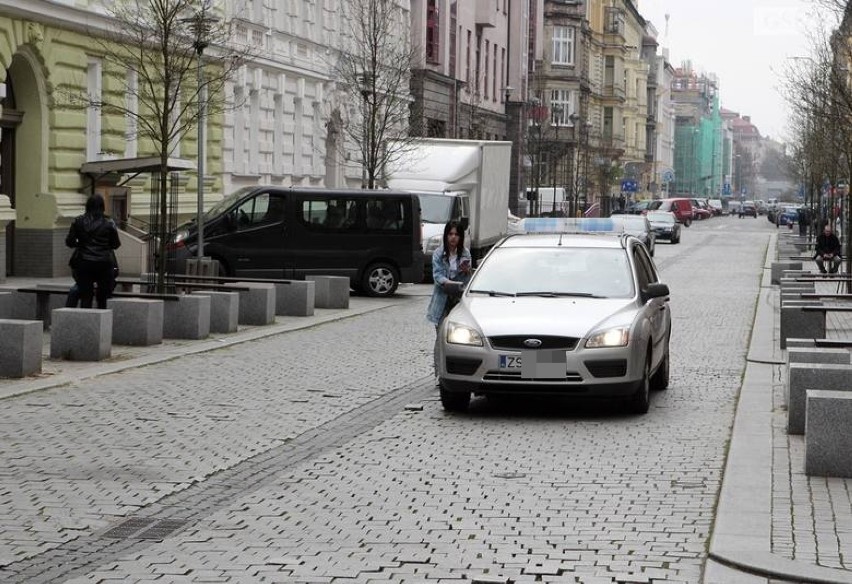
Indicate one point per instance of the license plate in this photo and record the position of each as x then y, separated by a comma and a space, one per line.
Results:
510, 362
535, 364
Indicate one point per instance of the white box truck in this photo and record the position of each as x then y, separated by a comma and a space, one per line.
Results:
456, 180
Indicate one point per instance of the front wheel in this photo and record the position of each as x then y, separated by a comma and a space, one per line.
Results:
660, 379
687, 223
454, 401
380, 279
641, 400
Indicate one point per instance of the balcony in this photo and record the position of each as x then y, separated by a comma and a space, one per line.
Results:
612, 91
486, 16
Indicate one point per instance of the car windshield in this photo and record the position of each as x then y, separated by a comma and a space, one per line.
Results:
227, 201
435, 208
554, 272
661, 217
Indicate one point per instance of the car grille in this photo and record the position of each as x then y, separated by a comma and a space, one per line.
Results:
460, 366
611, 368
516, 342
497, 375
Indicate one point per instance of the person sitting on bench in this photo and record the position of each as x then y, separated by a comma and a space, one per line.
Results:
827, 250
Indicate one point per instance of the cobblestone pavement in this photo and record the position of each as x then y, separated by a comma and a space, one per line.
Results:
324, 456
819, 528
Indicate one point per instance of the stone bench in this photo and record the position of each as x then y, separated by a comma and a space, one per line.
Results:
224, 310
187, 318
802, 377
296, 298
17, 305
828, 440
81, 334
257, 303
331, 291
136, 321
798, 323
777, 269
20, 347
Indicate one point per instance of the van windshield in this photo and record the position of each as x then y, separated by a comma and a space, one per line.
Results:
436, 208
226, 202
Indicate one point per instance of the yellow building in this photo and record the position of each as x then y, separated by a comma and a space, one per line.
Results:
618, 92
53, 146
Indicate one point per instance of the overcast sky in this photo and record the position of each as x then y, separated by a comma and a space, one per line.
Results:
746, 43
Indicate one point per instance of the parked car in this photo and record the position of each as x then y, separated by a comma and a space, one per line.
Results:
716, 206
681, 207
665, 226
639, 227
700, 210
748, 209
787, 215
580, 314
373, 237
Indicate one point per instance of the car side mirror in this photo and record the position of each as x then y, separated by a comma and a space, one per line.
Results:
655, 290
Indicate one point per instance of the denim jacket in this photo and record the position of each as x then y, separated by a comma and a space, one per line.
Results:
440, 274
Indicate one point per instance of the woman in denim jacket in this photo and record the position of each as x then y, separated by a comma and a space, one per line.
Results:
450, 267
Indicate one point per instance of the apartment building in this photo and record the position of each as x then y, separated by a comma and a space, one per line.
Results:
58, 144
470, 73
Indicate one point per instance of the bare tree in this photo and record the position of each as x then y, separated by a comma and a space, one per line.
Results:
819, 89
373, 72
160, 42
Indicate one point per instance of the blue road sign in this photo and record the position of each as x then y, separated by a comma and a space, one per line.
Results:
726, 189
668, 176
629, 185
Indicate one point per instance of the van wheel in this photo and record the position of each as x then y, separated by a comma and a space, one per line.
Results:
380, 279
687, 223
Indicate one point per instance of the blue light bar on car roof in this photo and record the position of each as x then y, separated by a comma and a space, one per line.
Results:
572, 225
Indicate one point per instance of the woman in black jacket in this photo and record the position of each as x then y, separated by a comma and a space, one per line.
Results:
93, 237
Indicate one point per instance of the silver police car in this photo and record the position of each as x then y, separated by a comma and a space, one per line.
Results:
580, 314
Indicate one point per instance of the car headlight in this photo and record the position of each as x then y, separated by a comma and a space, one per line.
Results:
615, 337
459, 334
433, 243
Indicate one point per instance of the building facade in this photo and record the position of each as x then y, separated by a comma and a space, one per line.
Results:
55, 133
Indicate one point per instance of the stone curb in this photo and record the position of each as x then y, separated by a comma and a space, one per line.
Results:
742, 530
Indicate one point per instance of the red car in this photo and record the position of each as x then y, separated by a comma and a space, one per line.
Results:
682, 208
700, 210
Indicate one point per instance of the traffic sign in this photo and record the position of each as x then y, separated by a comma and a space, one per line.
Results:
668, 176
629, 185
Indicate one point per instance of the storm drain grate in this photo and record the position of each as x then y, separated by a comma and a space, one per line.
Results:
145, 528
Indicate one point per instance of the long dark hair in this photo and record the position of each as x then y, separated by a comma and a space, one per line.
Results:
95, 206
453, 225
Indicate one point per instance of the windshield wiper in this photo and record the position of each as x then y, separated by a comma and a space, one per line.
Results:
491, 292
560, 294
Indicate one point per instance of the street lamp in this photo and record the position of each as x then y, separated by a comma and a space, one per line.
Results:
200, 24
572, 169
555, 121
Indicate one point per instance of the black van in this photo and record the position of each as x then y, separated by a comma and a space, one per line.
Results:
371, 236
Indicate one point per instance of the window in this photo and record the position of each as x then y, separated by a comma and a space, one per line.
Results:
131, 121
93, 110
563, 45
385, 215
561, 107
330, 214
453, 40
433, 45
486, 85
467, 71
260, 210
